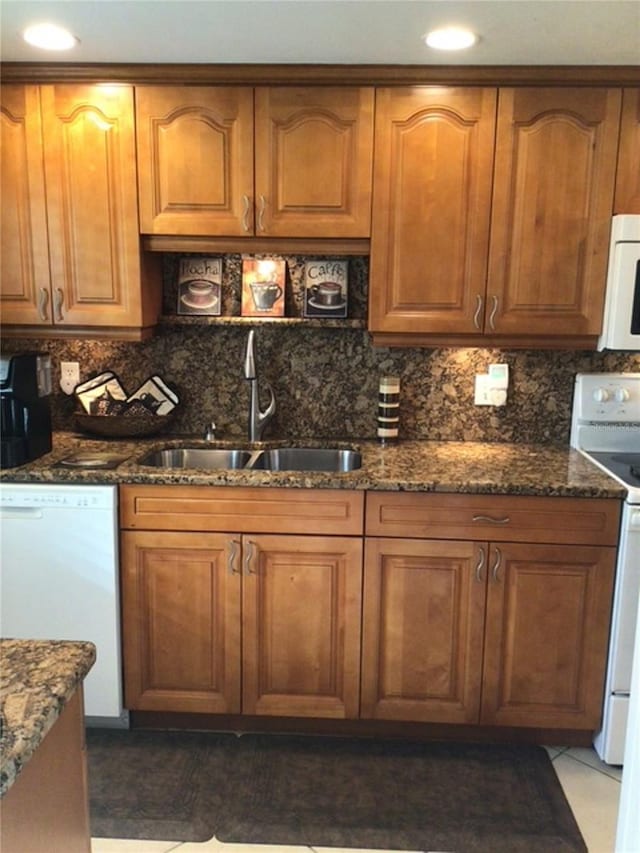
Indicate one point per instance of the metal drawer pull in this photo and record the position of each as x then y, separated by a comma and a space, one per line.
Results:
489, 520
496, 565
476, 316
480, 565
43, 299
245, 212
233, 553
251, 547
492, 316
58, 301
263, 204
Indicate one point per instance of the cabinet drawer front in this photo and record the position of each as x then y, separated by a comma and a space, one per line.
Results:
243, 510
498, 518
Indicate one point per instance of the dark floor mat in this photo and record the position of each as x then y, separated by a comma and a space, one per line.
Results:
156, 785
329, 791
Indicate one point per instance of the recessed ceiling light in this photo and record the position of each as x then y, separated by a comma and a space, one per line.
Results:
450, 38
49, 37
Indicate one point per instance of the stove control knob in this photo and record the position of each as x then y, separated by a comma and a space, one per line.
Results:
601, 395
621, 395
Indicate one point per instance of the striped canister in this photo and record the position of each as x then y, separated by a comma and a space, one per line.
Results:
388, 408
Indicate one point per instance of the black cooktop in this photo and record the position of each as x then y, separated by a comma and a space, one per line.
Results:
624, 466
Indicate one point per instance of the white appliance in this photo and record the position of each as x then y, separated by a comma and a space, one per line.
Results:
621, 325
628, 833
59, 579
606, 429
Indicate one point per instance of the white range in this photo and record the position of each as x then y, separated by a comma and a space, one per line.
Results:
606, 429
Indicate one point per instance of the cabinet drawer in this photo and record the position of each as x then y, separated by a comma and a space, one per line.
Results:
242, 510
589, 521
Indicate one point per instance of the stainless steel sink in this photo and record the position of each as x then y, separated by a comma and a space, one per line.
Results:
308, 459
327, 459
211, 458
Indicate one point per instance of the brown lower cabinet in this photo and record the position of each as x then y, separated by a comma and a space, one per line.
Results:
230, 622
470, 609
507, 633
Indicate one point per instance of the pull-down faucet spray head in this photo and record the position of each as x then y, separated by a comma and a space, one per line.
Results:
257, 419
250, 357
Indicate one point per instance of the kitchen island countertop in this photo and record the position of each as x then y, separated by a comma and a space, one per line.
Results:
440, 466
37, 679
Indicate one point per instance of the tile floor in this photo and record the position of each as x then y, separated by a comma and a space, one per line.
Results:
591, 787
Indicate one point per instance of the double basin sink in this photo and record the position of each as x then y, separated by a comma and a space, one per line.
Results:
325, 459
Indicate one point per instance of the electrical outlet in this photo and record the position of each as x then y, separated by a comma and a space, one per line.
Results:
69, 375
482, 390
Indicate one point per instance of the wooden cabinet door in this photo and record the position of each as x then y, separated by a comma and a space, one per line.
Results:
301, 600
313, 161
431, 207
25, 288
627, 199
195, 160
424, 603
551, 214
548, 613
89, 157
181, 621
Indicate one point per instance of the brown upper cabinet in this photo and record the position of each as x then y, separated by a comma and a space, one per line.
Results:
491, 214
241, 162
70, 243
627, 198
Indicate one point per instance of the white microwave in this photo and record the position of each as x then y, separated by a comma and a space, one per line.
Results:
621, 326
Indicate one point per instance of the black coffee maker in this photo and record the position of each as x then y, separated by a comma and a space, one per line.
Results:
25, 413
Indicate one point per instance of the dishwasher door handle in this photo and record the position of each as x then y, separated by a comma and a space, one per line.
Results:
10, 512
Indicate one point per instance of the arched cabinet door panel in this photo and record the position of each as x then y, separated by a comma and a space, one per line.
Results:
551, 213
70, 238
92, 210
431, 207
25, 281
314, 151
195, 160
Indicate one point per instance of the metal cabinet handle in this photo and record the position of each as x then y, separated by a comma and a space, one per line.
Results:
494, 310
58, 300
489, 520
250, 551
261, 209
43, 299
246, 205
496, 565
480, 565
476, 316
234, 550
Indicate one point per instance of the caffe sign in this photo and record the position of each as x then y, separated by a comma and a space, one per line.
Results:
325, 288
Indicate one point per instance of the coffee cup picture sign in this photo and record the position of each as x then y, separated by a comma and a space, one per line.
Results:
325, 288
199, 286
263, 287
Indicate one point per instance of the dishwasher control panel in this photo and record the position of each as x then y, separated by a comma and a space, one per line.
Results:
41, 496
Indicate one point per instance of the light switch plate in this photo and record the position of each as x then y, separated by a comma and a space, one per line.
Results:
499, 375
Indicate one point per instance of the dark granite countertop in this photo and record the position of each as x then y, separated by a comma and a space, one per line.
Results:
37, 679
472, 467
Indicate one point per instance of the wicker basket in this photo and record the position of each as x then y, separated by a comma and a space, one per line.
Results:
123, 426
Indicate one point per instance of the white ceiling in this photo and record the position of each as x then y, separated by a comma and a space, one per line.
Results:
512, 32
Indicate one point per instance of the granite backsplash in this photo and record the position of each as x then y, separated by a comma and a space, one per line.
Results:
326, 379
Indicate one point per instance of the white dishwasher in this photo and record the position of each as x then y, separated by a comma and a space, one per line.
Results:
59, 579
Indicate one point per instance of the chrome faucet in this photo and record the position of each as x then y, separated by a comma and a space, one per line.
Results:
257, 419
